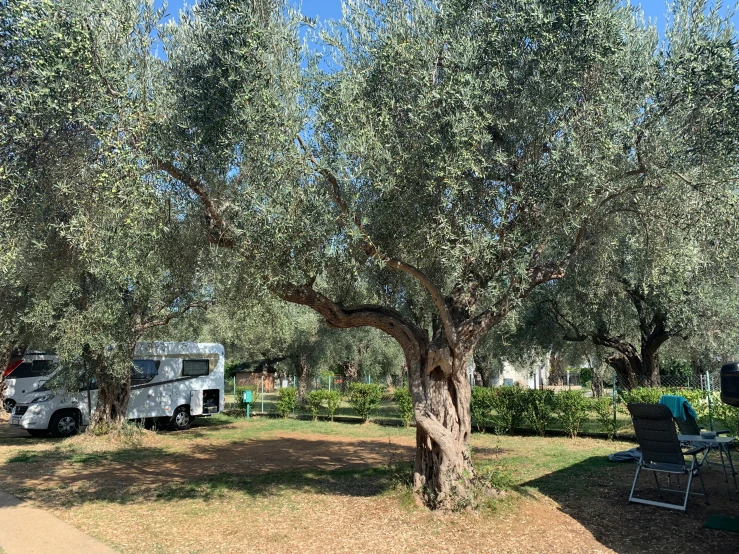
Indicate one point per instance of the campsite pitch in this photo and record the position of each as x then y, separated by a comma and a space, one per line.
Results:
230, 486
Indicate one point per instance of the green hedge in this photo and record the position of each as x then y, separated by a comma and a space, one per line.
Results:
507, 408
404, 402
287, 399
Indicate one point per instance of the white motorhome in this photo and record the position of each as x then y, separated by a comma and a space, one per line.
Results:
25, 374
171, 383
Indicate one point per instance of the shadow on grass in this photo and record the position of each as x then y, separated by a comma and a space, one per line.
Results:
257, 467
58, 455
359, 483
595, 492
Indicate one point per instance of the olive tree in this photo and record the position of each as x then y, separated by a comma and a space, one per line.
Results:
427, 170
91, 249
471, 148
643, 284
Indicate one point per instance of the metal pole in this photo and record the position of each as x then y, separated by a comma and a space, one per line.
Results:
615, 399
235, 399
262, 392
710, 404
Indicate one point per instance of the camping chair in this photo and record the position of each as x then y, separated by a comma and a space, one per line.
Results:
689, 426
661, 452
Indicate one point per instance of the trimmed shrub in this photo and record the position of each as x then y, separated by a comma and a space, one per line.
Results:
507, 405
603, 408
313, 401
333, 399
404, 401
287, 399
572, 409
539, 408
481, 410
364, 398
647, 395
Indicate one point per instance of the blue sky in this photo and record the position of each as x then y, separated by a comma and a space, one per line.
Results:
331, 9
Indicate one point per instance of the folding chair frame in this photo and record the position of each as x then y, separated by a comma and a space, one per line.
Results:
694, 469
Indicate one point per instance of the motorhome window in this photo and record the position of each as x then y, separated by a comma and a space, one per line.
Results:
194, 368
54, 383
143, 371
22, 371
37, 368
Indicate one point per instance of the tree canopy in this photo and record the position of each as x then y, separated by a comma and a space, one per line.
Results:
422, 173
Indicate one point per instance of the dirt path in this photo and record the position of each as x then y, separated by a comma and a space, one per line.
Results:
29, 530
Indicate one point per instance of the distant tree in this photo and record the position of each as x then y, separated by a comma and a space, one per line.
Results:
643, 283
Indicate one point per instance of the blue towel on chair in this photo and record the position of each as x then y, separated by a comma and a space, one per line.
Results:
677, 405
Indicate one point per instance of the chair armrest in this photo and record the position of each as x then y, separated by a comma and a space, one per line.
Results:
695, 451
721, 432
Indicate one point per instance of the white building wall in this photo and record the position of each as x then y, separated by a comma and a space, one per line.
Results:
527, 377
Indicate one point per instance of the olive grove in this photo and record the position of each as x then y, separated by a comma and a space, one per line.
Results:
422, 172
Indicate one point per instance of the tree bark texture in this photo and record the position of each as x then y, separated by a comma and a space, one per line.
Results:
349, 374
303, 376
112, 405
635, 368
556, 369
114, 391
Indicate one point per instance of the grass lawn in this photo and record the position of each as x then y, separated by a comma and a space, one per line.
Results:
270, 485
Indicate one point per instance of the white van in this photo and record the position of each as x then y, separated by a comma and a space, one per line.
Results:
25, 374
171, 383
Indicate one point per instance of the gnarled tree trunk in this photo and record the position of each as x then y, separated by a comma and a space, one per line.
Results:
349, 374
556, 369
303, 376
114, 389
650, 363
112, 405
443, 472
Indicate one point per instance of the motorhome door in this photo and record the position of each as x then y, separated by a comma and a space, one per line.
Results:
196, 402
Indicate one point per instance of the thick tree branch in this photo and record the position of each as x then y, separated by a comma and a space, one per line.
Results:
559, 317
152, 322
372, 251
227, 235
385, 319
